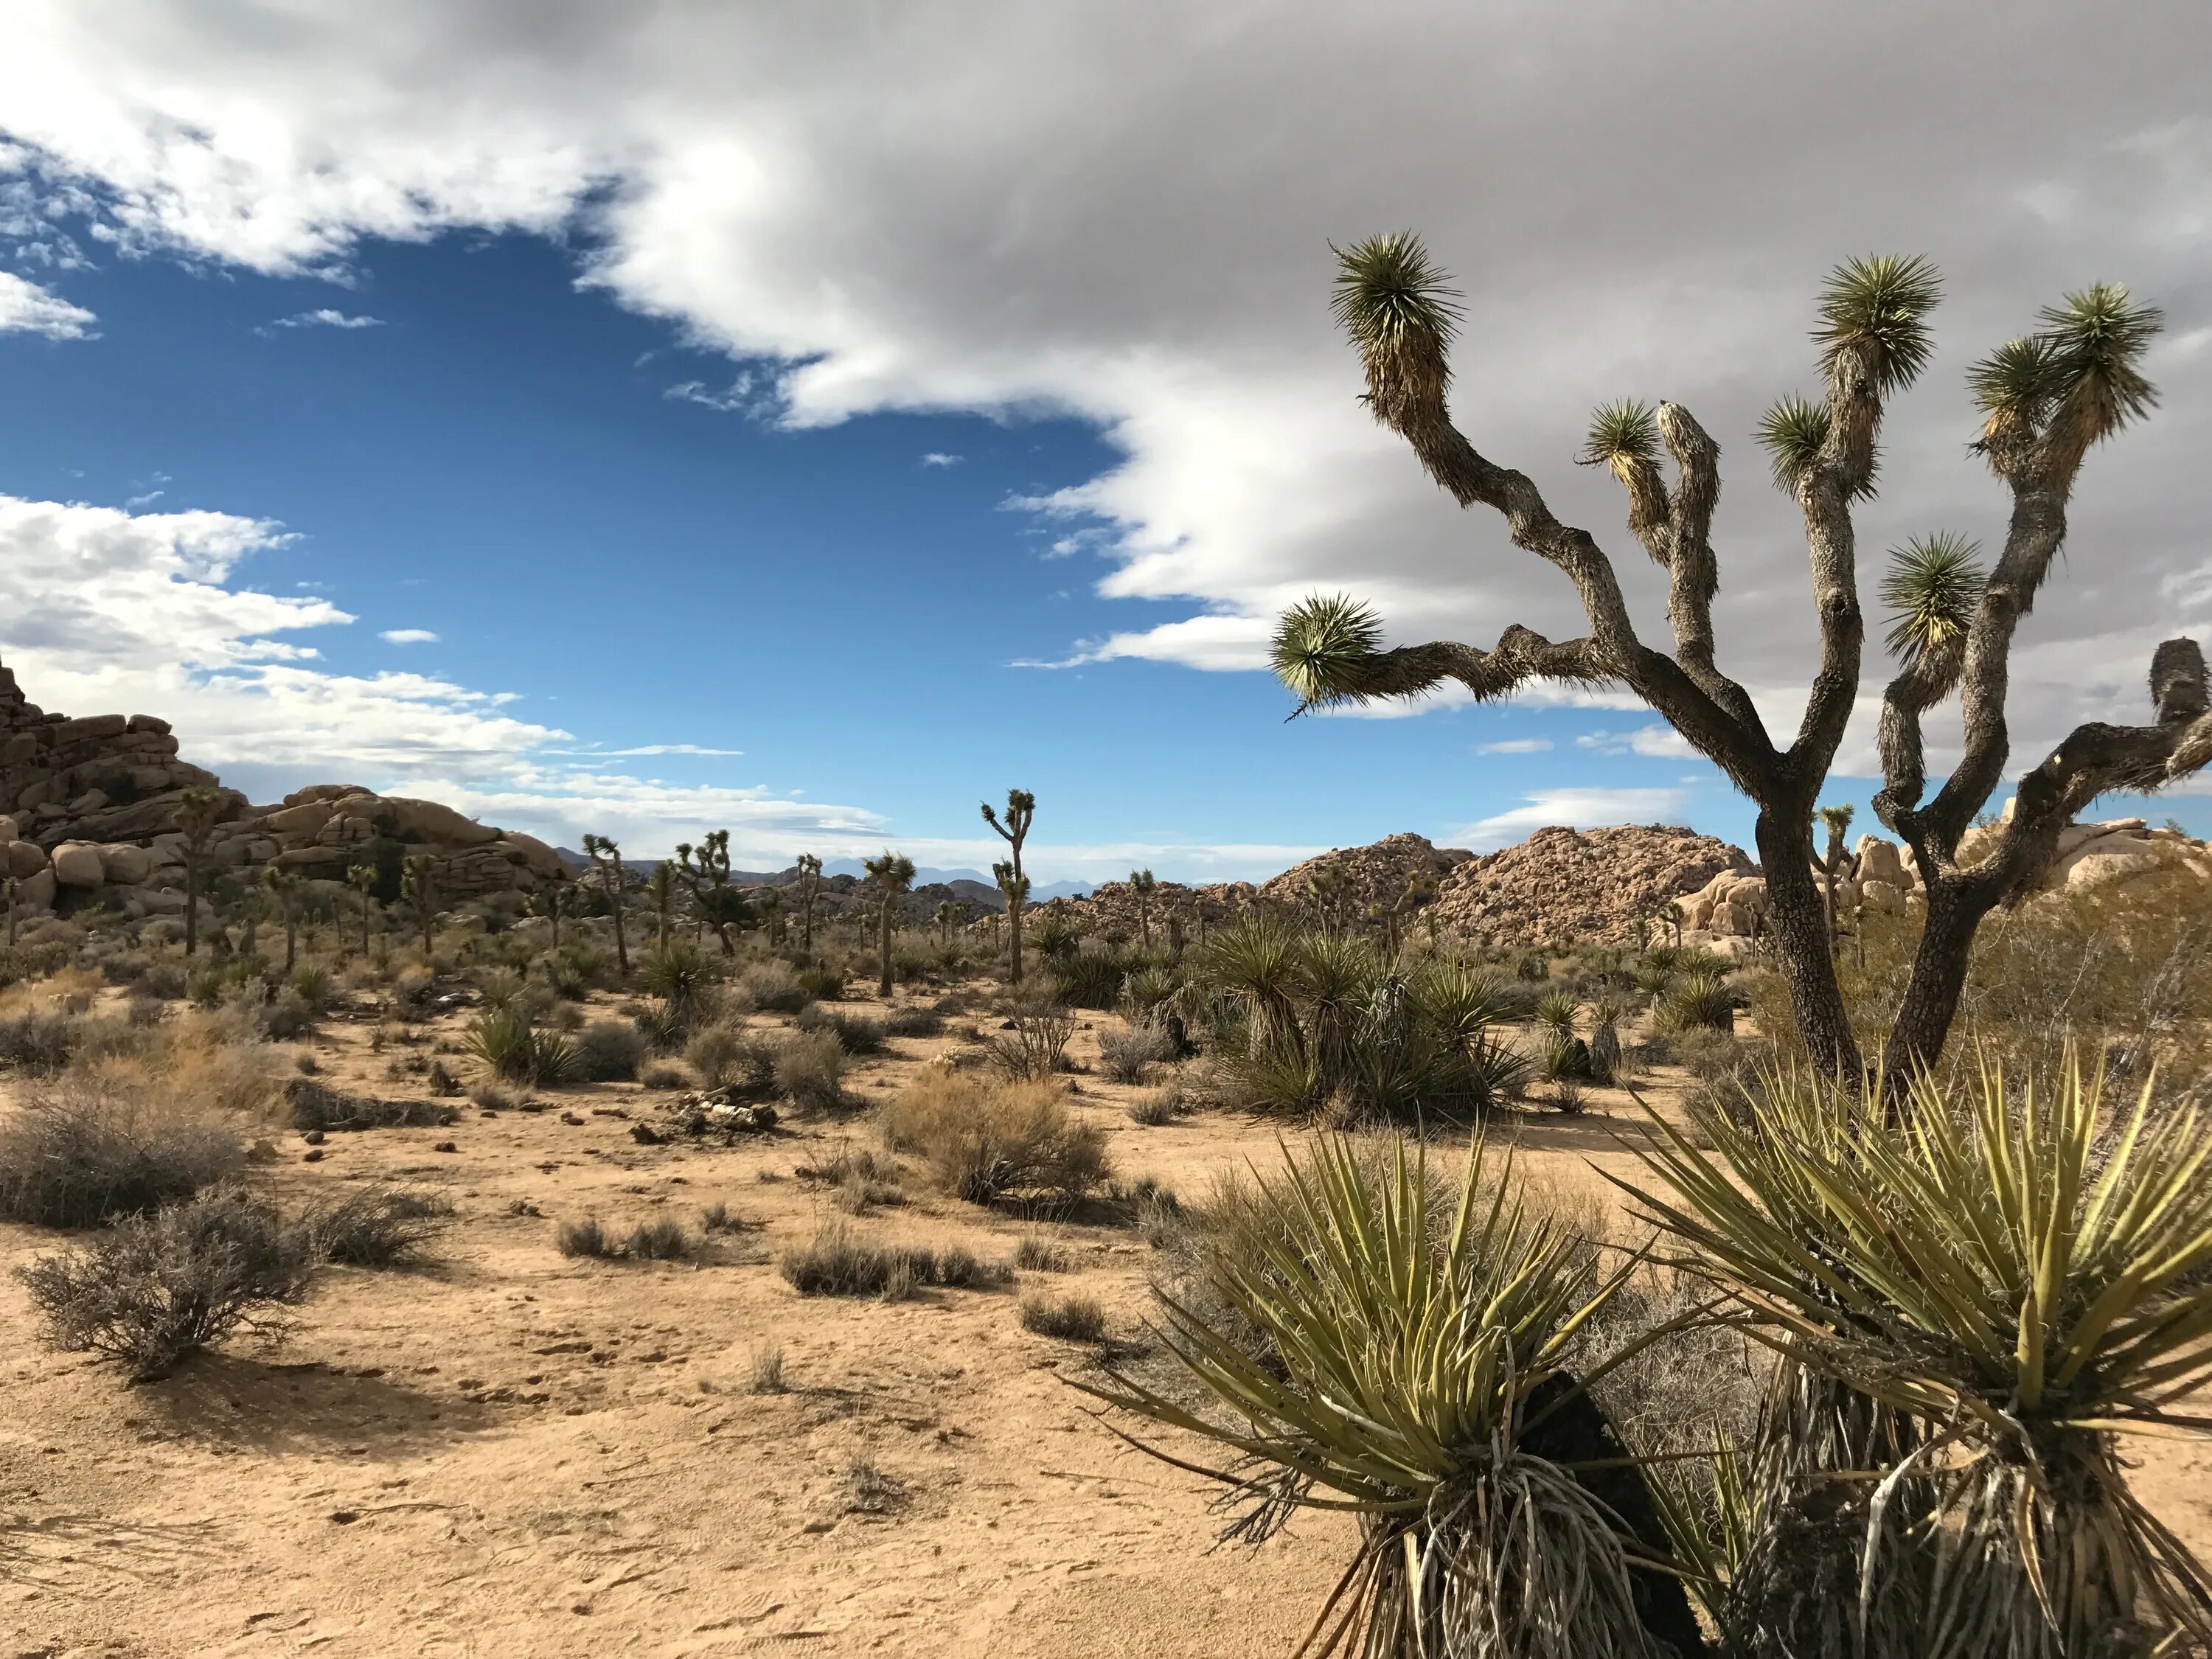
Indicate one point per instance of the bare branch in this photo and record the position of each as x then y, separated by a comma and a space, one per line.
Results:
1695, 572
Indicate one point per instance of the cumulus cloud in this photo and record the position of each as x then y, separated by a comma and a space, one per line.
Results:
1582, 809
938, 457
995, 208
26, 309
408, 636
1659, 742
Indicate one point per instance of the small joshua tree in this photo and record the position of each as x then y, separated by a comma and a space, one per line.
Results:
418, 891
893, 875
660, 895
1835, 820
196, 809
549, 902
284, 888
362, 878
2047, 399
606, 858
808, 883
947, 916
1142, 886
768, 905
1021, 808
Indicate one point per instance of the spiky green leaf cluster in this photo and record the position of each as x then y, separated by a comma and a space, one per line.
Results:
2017, 380
2097, 338
1390, 293
1878, 306
1933, 586
1792, 432
1322, 647
1619, 433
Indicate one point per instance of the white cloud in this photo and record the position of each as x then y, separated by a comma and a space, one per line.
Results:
1582, 809
1662, 742
995, 208
938, 457
650, 748
326, 316
26, 309
408, 636
1515, 746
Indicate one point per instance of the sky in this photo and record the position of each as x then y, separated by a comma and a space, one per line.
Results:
813, 420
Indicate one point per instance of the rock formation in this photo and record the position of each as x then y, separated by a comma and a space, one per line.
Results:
1563, 886
1374, 875
88, 813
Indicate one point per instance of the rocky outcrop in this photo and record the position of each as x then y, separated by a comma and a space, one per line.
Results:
1566, 886
88, 812
1378, 875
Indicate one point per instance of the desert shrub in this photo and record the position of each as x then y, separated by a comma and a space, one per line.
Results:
1560, 1055
584, 1238
856, 1033
765, 1372
1126, 1052
164, 980
1069, 1318
810, 1069
83, 1152
1696, 1000
684, 981
154, 1288
1037, 1047
1034, 1253
719, 1218
660, 1074
314, 985
608, 1051
505, 1040
987, 1140
722, 1053
909, 965
375, 1226
773, 985
1088, 977
913, 1021
493, 1098
204, 986
144, 1010
566, 1017
836, 1263
1557, 1009
1144, 989
664, 1240
288, 1018
40, 1041
823, 982
1154, 1110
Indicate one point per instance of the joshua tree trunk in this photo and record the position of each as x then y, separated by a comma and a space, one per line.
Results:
885, 940
291, 942
192, 906
2047, 399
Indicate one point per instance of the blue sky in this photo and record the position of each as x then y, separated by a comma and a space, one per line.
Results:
823, 491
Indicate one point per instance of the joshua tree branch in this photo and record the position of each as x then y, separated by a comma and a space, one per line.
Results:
1694, 573
1844, 469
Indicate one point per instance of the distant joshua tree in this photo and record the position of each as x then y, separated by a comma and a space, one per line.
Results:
362, 878
418, 891
660, 896
606, 858
768, 905
1835, 820
722, 906
549, 902
196, 809
809, 885
1142, 887
948, 915
2047, 399
284, 888
1021, 808
893, 875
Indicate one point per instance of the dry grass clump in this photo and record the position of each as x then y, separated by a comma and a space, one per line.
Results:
1126, 1052
1035, 1254
722, 1055
664, 1240
915, 1021
154, 1288
985, 1140
837, 1262
1069, 1318
505, 1040
856, 1033
584, 1238
1153, 1110
376, 1226
774, 987
809, 1067
765, 1371
609, 1051
86, 1150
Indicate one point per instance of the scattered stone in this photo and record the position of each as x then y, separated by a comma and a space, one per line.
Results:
646, 1135
445, 1146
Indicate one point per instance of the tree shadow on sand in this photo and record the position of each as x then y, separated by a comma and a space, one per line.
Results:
269, 1406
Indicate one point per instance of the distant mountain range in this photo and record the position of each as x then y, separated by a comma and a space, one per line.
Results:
963, 883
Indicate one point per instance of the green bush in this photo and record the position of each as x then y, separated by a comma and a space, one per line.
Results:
505, 1040
608, 1051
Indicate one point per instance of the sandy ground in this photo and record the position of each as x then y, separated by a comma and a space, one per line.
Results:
510, 1452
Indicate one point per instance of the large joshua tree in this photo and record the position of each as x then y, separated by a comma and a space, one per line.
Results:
1021, 808
2047, 399
893, 875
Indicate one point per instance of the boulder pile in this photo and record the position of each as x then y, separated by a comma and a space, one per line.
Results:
1378, 875
1564, 886
88, 813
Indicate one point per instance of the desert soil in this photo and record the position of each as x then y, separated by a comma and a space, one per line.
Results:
510, 1452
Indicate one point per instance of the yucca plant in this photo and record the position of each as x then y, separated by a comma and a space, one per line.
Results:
1557, 1009
504, 1039
1403, 1362
1698, 1000
2024, 1275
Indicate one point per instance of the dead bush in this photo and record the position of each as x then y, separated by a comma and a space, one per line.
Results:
83, 1152
1126, 1052
810, 1069
723, 1055
375, 1226
1036, 1045
156, 1287
984, 1140
837, 1262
